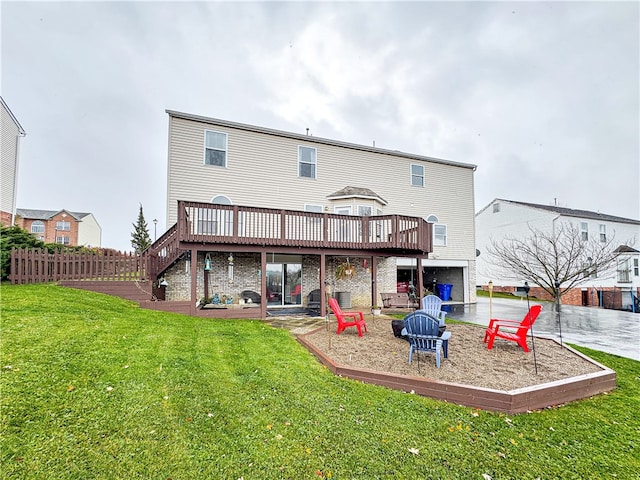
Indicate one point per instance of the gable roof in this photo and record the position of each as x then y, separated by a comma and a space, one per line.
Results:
357, 192
47, 214
13, 117
569, 212
312, 139
626, 249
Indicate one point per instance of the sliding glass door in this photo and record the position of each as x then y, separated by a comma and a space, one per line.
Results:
283, 283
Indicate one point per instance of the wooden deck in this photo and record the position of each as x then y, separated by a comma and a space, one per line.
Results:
241, 228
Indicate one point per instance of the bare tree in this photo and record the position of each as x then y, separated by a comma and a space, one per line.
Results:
561, 257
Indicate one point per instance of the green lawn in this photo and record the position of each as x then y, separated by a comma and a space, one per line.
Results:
94, 387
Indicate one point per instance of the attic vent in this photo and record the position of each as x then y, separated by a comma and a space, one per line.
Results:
496, 207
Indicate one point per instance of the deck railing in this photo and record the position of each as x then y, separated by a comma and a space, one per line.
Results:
210, 223
164, 251
205, 223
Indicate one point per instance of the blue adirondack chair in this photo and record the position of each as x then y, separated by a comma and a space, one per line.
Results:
433, 306
422, 331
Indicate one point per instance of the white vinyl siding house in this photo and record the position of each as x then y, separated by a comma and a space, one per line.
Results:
89, 231
271, 168
11, 132
502, 218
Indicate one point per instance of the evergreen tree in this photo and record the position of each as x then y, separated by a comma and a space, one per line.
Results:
14, 237
140, 239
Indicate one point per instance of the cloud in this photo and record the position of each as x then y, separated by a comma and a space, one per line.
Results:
543, 97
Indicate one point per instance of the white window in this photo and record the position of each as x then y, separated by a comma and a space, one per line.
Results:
603, 233
215, 148
307, 162
440, 235
439, 231
37, 227
314, 224
364, 210
64, 240
584, 231
313, 208
417, 175
496, 207
635, 267
623, 270
66, 226
221, 200
344, 232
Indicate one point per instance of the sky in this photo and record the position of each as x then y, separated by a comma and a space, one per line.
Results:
542, 97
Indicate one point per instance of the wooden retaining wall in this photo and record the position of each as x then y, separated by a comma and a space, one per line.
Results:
513, 401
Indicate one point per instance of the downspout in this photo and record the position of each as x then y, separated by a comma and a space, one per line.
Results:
553, 224
21, 133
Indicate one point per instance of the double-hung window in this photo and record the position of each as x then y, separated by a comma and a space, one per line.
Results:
584, 231
440, 235
417, 175
307, 162
37, 227
63, 239
439, 231
215, 148
603, 233
66, 226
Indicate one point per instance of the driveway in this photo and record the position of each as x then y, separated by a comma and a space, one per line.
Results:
610, 331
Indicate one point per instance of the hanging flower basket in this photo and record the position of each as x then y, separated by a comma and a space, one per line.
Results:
345, 270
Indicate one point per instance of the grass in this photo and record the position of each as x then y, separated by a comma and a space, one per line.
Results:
485, 293
94, 387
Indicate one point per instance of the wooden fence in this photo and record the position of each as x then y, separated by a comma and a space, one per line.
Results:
40, 266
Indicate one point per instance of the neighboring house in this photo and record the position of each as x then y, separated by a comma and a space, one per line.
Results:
11, 132
61, 226
350, 202
507, 218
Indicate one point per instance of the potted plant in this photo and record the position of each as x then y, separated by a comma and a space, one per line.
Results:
376, 310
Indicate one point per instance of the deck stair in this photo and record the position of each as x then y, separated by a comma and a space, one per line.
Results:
137, 291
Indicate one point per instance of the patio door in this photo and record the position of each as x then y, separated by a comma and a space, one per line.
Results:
283, 284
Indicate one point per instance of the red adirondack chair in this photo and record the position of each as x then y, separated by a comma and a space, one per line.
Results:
358, 318
496, 329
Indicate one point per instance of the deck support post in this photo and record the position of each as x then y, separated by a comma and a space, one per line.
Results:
263, 284
419, 286
323, 285
194, 279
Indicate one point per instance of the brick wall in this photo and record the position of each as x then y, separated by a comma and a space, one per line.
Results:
5, 218
50, 231
570, 297
247, 276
